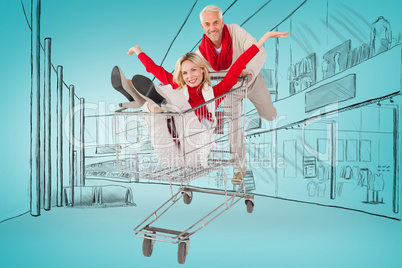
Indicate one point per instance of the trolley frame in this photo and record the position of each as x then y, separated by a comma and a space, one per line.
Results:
182, 176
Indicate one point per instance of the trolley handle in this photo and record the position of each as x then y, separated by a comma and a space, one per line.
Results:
216, 77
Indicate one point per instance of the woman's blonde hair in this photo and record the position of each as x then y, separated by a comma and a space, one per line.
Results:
197, 60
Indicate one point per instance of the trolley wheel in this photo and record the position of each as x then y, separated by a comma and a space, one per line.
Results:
250, 206
187, 197
182, 252
147, 247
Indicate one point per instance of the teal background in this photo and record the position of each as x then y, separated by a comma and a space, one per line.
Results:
88, 39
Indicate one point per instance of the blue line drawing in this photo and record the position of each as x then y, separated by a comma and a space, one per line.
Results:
336, 143
344, 118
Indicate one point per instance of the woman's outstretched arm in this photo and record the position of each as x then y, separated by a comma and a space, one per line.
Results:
158, 71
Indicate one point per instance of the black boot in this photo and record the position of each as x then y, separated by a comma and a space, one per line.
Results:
146, 88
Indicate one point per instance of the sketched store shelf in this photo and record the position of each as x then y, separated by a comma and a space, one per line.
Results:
98, 196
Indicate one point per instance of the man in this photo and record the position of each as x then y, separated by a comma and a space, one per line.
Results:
220, 47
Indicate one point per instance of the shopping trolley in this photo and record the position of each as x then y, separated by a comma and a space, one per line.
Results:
202, 152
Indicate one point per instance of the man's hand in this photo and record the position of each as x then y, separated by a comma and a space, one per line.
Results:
243, 74
136, 49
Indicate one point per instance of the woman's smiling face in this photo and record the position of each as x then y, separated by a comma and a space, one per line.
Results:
192, 73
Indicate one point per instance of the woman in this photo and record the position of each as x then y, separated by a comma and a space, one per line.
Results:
191, 78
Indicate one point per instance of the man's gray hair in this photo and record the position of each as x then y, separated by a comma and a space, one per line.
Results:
211, 8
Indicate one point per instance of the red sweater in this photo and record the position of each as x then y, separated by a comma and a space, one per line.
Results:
196, 98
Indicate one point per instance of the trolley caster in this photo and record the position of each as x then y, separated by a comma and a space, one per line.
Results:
182, 251
147, 246
187, 197
250, 206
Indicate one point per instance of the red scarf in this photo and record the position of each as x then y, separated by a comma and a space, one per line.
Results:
224, 59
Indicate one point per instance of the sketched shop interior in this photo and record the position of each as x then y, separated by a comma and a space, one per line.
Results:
336, 141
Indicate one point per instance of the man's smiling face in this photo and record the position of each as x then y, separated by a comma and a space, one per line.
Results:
212, 25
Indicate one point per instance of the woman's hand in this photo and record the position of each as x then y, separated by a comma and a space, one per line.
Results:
136, 49
271, 34
274, 34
